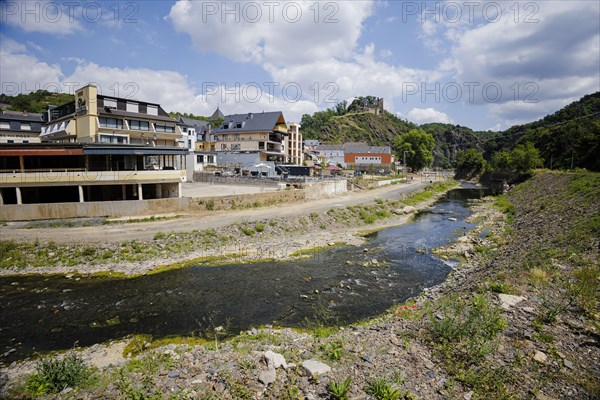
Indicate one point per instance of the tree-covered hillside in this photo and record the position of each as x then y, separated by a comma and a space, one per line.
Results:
570, 135
35, 102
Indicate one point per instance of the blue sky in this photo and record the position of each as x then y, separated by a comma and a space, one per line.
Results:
483, 64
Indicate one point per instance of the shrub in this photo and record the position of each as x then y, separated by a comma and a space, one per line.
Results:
259, 227
54, 375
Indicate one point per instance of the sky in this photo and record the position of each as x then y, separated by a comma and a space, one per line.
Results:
483, 64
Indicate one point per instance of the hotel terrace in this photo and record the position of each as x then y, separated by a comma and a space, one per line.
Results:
96, 148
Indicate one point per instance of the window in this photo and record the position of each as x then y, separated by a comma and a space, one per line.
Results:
113, 139
4, 125
25, 141
152, 110
235, 147
261, 145
138, 125
225, 126
164, 128
10, 141
110, 123
133, 107
223, 146
200, 159
238, 125
110, 103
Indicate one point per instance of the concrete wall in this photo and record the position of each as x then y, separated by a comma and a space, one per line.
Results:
316, 190
199, 205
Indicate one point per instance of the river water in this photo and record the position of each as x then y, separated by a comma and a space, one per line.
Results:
336, 285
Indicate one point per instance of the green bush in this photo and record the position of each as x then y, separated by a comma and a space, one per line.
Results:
259, 227
54, 375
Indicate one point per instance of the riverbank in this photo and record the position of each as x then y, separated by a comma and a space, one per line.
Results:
242, 241
517, 318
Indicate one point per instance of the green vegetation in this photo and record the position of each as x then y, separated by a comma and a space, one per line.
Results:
381, 389
418, 146
523, 159
465, 330
428, 192
470, 161
35, 102
54, 375
340, 390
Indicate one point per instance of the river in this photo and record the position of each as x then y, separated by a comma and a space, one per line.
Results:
334, 285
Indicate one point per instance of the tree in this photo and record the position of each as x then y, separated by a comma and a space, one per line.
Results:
418, 146
470, 160
522, 159
525, 157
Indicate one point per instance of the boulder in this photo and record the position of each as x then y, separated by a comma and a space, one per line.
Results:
274, 360
507, 301
267, 377
314, 367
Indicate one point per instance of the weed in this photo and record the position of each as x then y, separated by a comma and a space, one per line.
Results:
340, 390
259, 227
54, 375
587, 286
333, 351
538, 276
466, 329
381, 389
159, 235
247, 231
499, 287
137, 345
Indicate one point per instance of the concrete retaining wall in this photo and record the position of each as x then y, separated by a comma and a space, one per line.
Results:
200, 205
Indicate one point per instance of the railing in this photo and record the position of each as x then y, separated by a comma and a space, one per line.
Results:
27, 171
89, 177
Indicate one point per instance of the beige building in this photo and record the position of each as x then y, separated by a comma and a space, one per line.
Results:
95, 118
295, 153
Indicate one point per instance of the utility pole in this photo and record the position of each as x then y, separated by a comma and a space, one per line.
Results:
404, 162
572, 157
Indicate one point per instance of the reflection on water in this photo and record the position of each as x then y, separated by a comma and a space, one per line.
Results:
47, 313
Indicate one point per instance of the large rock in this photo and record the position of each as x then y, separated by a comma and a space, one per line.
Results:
267, 377
314, 367
274, 360
507, 301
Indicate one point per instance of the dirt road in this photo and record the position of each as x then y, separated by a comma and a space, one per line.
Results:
114, 233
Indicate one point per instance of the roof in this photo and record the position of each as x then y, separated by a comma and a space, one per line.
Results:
355, 148
217, 114
251, 122
19, 116
368, 150
192, 122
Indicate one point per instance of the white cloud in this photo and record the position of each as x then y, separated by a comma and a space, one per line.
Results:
426, 115
16, 78
50, 17
282, 34
360, 76
173, 92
